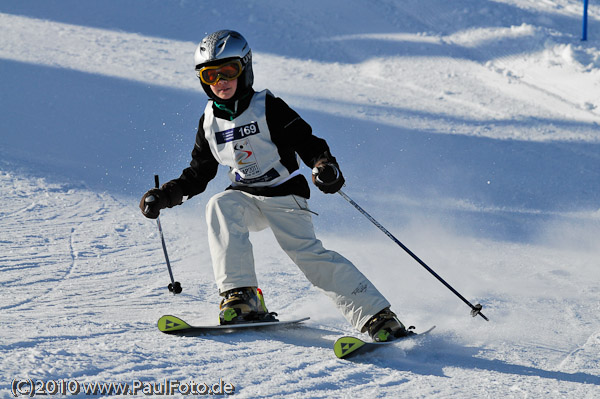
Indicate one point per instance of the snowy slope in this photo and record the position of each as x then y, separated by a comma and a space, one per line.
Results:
470, 129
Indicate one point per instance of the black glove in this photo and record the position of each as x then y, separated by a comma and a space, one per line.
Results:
326, 175
156, 199
152, 202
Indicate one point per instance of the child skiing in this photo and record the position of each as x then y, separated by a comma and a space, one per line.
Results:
262, 140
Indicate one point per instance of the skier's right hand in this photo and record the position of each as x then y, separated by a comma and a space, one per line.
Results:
167, 196
153, 201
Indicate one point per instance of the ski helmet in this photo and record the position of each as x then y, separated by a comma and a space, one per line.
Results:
223, 46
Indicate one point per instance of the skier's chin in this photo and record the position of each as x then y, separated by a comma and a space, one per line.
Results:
225, 94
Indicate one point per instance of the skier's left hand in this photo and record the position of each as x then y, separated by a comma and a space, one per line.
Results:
327, 176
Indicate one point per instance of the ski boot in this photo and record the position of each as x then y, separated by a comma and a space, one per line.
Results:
385, 326
244, 305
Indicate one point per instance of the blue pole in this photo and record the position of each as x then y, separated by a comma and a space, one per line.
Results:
585, 12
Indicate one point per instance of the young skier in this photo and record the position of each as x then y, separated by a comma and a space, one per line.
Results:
261, 139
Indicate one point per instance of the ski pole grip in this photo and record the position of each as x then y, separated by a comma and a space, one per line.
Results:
151, 198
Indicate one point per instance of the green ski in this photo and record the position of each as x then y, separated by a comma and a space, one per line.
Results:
174, 325
347, 347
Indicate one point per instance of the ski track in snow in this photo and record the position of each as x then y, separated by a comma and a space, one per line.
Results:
98, 278
83, 274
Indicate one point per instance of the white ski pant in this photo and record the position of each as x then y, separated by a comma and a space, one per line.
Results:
232, 214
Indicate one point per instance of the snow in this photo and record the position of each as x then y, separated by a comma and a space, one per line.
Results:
469, 129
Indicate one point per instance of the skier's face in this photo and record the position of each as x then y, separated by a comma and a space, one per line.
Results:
224, 89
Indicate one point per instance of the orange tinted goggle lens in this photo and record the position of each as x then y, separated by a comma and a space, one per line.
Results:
229, 71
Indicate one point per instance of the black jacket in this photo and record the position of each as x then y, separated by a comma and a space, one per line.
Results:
289, 132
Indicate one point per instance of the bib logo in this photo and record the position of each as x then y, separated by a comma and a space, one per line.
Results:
245, 159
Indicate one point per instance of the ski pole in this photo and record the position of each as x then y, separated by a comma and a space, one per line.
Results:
174, 286
475, 309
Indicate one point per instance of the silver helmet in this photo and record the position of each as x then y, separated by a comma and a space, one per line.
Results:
221, 46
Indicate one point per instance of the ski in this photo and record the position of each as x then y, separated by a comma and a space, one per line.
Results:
169, 324
347, 347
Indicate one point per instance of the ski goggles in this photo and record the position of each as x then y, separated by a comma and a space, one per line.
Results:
230, 70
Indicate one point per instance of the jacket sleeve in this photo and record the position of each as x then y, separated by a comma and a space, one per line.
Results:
203, 168
292, 135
